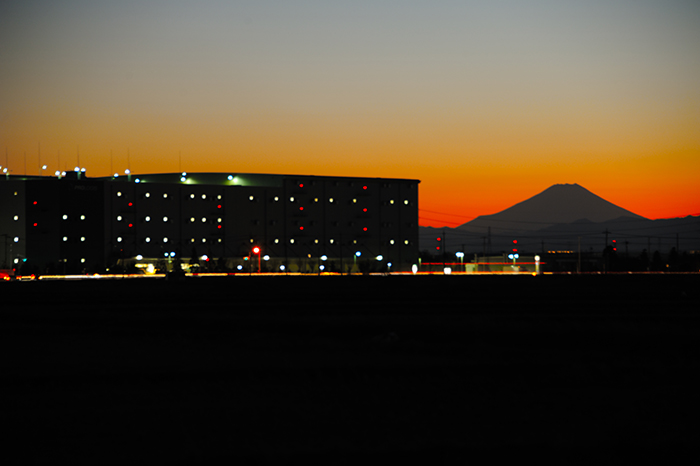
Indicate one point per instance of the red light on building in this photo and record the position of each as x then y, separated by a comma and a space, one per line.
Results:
219, 206
301, 208
130, 204
364, 229
364, 187
364, 210
301, 228
219, 227
36, 224
131, 225
35, 202
256, 250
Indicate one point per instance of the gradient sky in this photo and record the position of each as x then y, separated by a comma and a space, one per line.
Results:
487, 103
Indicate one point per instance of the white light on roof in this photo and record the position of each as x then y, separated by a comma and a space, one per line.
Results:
127, 171
77, 169
139, 257
184, 173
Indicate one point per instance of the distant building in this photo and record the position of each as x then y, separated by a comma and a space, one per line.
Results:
208, 221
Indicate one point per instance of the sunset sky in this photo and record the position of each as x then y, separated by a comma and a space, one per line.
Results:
487, 103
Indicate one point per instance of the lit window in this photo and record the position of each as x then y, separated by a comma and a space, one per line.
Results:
204, 240
218, 220
192, 196
119, 218
147, 195
16, 217
165, 219
119, 194
291, 240
204, 220
204, 196
330, 200
391, 202
65, 217
119, 239
191, 240
82, 238
192, 219
82, 261
65, 238
391, 241
165, 195
16, 239
165, 240
291, 199
332, 241
148, 219
406, 202
148, 240
405, 242
277, 198
82, 217
251, 198
277, 240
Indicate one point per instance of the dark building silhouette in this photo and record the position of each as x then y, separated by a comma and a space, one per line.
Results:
76, 224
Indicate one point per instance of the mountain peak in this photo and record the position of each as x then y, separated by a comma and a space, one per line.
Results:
560, 203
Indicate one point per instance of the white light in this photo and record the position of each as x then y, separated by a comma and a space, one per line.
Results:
139, 257
266, 257
119, 218
16, 217
204, 196
82, 261
148, 240
406, 202
324, 257
65, 238
537, 258
291, 240
331, 200
277, 240
380, 257
204, 257
165, 195
57, 173
147, 195
165, 219
447, 270
165, 240
459, 254
192, 196
388, 264
251, 198
510, 256
127, 171
192, 219
116, 175
172, 254
82, 169
138, 180
62, 173
358, 253
282, 267
291, 199
148, 219
82, 217
183, 179
414, 269
82, 238
405, 242
184, 173
240, 267
322, 267
230, 177
119, 194
65, 217
77, 169
166, 254
44, 167
204, 220
119, 239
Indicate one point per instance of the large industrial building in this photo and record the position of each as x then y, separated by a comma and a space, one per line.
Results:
232, 222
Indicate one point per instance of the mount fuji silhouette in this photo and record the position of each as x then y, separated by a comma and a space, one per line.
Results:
560, 203
562, 217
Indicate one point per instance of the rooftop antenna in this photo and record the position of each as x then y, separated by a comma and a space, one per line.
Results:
111, 162
179, 162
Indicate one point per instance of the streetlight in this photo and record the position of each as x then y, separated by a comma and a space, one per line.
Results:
256, 251
461, 259
354, 259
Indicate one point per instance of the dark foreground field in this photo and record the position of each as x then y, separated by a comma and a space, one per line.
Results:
346, 369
